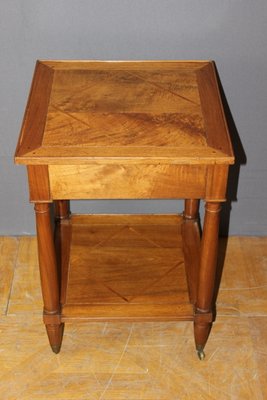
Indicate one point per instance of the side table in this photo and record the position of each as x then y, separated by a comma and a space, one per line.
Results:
126, 130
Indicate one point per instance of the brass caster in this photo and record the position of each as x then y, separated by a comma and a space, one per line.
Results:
55, 349
200, 353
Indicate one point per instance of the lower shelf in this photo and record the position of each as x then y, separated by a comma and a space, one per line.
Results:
128, 267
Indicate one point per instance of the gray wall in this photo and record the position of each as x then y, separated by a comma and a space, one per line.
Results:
234, 33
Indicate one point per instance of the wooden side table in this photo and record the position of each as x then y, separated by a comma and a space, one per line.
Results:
126, 130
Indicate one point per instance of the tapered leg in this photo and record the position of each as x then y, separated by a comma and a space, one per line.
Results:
62, 213
207, 271
190, 234
62, 243
49, 275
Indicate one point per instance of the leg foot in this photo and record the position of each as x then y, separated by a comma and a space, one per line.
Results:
201, 333
55, 334
55, 349
200, 353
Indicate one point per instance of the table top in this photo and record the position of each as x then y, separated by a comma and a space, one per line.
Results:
81, 112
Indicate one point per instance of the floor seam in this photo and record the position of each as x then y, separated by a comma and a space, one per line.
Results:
115, 369
13, 276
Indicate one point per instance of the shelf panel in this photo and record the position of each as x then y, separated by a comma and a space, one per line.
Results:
127, 312
128, 267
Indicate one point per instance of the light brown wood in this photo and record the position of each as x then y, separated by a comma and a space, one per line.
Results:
130, 155
39, 183
47, 258
127, 313
191, 249
216, 183
8, 254
212, 110
147, 65
32, 131
49, 276
126, 181
152, 110
131, 268
206, 275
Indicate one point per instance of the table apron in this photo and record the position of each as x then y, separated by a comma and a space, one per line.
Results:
127, 181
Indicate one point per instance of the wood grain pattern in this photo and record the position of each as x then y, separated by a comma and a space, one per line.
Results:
128, 155
8, 255
204, 306
126, 92
62, 239
214, 118
135, 109
49, 275
36, 110
129, 268
147, 65
128, 313
127, 181
192, 251
216, 182
39, 186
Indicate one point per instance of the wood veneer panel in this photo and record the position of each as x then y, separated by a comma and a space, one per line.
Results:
127, 181
81, 155
214, 120
132, 312
116, 92
124, 64
217, 176
39, 185
87, 112
126, 268
36, 111
126, 219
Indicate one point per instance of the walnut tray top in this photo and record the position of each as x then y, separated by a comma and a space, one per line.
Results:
82, 112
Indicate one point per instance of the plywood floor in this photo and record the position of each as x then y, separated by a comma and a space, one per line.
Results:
134, 361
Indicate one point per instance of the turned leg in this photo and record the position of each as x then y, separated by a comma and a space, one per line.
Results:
191, 209
190, 234
62, 243
62, 209
62, 214
49, 275
207, 271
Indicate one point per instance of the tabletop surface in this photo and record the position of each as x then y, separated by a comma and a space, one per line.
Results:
84, 111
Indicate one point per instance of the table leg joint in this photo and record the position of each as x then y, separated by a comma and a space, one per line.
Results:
203, 316
51, 318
